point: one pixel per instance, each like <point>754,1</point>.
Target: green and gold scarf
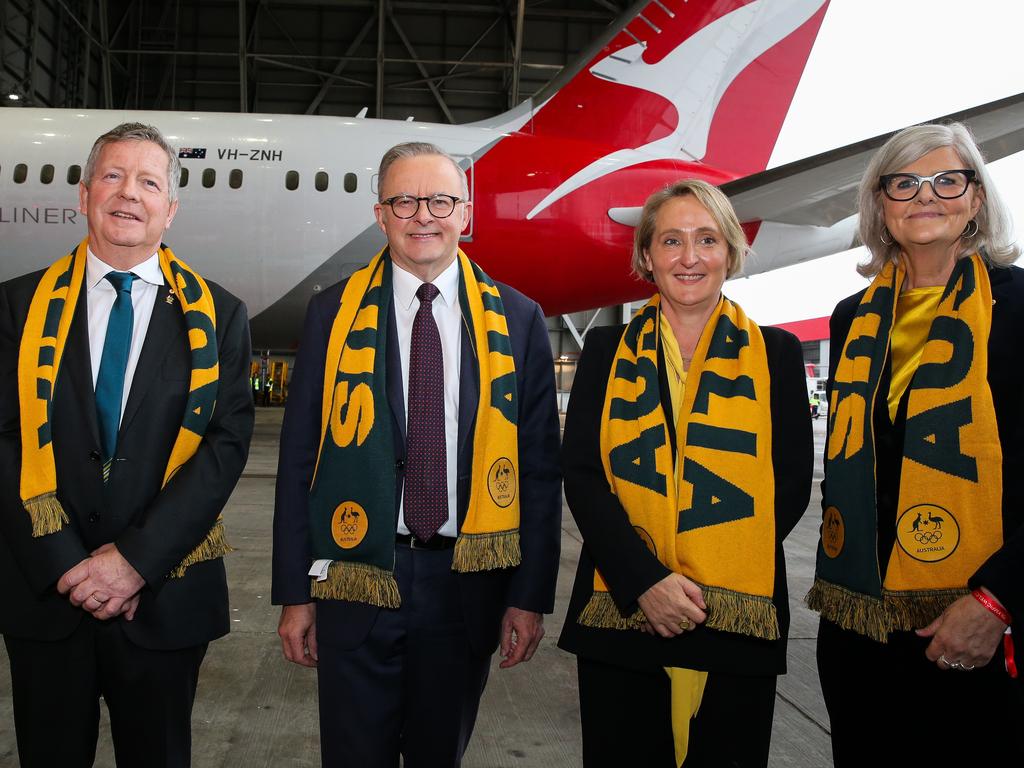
<point>716,523</point>
<point>352,503</point>
<point>949,514</point>
<point>39,356</point>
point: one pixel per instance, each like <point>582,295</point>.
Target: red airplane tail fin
<point>697,80</point>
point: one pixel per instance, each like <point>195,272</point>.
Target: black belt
<point>436,542</point>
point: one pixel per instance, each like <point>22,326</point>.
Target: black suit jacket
<point>485,594</point>
<point>153,528</point>
<point>1003,572</point>
<point>628,566</point>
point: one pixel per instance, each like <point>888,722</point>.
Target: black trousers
<point>56,689</point>
<point>889,705</point>
<point>626,716</point>
<point>413,686</point>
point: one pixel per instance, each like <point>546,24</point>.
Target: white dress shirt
<point>448,316</point>
<point>100,296</point>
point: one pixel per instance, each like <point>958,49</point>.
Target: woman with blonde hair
<point>687,460</point>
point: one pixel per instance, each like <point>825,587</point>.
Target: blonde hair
<point>993,236</point>
<point>713,200</point>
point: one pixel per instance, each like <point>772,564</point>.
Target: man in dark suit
<point>122,434</point>
<point>407,680</point>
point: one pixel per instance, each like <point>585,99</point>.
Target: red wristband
<point>1011,664</point>
<point>997,610</point>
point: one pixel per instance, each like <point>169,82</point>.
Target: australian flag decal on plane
<point>192,153</point>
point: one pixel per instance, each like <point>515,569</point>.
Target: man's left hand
<point>104,584</point>
<point>966,633</point>
<point>521,632</point>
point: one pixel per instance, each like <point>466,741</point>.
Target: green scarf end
<point>730,611</point>
<point>359,583</point>
<point>877,617</point>
<point>602,613</point>
<point>486,551</point>
<point>46,513</point>
<point>213,546</point>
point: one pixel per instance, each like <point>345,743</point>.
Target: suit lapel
<point>469,394</point>
<point>165,326</point>
<point>76,367</point>
<point>394,384</point>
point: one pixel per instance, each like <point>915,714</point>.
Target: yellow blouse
<point>915,309</point>
<point>676,375</point>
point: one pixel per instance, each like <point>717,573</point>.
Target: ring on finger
<point>685,624</point>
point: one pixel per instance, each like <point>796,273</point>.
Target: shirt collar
<point>405,284</point>
<point>96,269</point>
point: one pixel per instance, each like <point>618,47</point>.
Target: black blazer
<point>628,565</point>
<point>486,594</point>
<point>1003,572</point>
<point>154,529</point>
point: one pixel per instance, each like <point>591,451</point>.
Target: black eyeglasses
<point>948,185</point>
<point>406,206</point>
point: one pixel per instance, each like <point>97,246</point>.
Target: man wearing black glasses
<point>418,504</point>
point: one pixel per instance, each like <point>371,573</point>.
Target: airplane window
<point>20,173</point>
<point>320,181</point>
<point>291,180</point>
<point>183,179</point>
<point>350,182</point>
<point>46,174</point>
<point>74,174</point>
<point>235,178</point>
<point>209,177</point>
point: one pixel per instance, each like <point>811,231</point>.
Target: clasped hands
<point>672,606</point>
<point>104,584</point>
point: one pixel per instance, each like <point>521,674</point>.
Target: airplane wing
<point>822,190</point>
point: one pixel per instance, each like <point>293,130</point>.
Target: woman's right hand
<point>673,603</point>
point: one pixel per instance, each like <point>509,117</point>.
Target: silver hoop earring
<point>885,231</point>
<point>969,234</point>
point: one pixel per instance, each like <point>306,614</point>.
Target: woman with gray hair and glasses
<point>920,566</point>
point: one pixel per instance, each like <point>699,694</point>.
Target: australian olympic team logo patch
<point>349,525</point>
<point>833,532</point>
<point>501,482</point>
<point>928,533</point>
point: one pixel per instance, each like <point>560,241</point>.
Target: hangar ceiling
<point>453,61</point>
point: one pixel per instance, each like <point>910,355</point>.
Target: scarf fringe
<point>912,610</point>
<point>876,617</point>
<point>46,513</point>
<point>730,611</point>
<point>358,582</point>
<point>602,613</point>
<point>486,551</point>
<point>213,546</point>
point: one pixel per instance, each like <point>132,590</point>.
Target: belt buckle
<point>415,543</point>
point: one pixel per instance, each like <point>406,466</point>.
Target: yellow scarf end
<point>602,613</point>
<point>213,546</point>
<point>750,615</point>
<point>486,551</point>
<point>46,513</point>
<point>358,582</point>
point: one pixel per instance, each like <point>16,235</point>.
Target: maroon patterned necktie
<point>425,502</point>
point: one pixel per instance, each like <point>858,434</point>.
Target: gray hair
<point>716,203</point>
<point>136,132</point>
<point>417,149</point>
<point>993,237</point>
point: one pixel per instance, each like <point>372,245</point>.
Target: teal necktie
<point>110,381</point>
